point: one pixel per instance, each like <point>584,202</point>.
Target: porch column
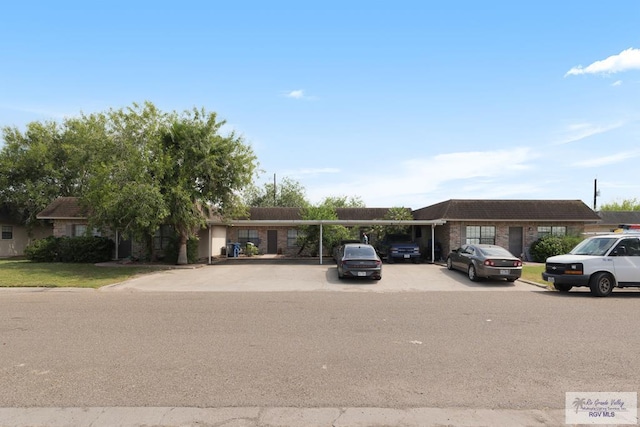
<point>209,244</point>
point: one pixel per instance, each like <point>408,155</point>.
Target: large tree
<point>331,234</point>
<point>43,162</point>
<point>203,170</point>
<point>133,169</point>
<point>287,193</point>
<point>124,191</point>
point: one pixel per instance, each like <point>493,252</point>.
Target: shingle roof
<point>617,218</point>
<point>63,208</point>
<point>293,214</point>
<point>508,210</point>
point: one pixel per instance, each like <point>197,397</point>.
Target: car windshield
<point>500,252</point>
<point>597,246</point>
<point>360,252</point>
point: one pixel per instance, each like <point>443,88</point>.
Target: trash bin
<point>233,250</point>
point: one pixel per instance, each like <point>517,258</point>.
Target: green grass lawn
<point>533,273</point>
<point>23,273</point>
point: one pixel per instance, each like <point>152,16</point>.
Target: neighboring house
<point>16,237</point>
<point>612,220</point>
<point>512,224</point>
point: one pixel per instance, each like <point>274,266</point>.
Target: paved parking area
<point>278,276</point>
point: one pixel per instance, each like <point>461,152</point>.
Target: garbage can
<point>234,250</point>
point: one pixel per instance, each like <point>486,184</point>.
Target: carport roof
<point>279,216</point>
<point>617,218</point>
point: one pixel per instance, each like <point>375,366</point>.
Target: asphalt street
<point>318,357</point>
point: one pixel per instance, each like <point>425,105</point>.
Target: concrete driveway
<point>258,275</point>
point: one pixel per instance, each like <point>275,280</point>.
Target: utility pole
<point>596,193</point>
<point>275,198</point>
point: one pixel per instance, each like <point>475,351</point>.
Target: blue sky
<point>404,103</point>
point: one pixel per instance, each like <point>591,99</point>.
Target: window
<point>7,232</point>
<point>485,234</point>
<point>162,237</point>
<point>551,230</point>
<point>79,230</point>
<point>292,237</point>
<point>245,236</point>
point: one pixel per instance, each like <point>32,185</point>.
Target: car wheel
<point>449,264</point>
<point>601,284</point>
<point>340,275</point>
<point>562,288</point>
<point>472,273</point>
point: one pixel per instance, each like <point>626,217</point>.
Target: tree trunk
<point>182,250</point>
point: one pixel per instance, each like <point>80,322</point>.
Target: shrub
<point>548,246</point>
<point>42,250</point>
<point>251,249</point>
<point>85,249</point>
<point>71,249</point>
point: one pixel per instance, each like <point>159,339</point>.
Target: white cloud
<point>310,171</point>
<point>617,83</point>
<point>418,180</point>
<point>296,94</point>
<point>626,60</point>
<point>608,160</point>
<point>579,131</point>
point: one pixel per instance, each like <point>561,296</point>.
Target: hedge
<point>71,249</point>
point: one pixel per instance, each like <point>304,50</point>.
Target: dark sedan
<point>358,260</point>
<point>485,261</point>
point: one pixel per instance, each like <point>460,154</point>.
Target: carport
<point>323,222</point>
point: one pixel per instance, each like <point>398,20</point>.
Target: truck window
<point>594,246</point>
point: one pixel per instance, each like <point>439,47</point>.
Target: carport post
<point>320,243</point>
<point>433,244</point>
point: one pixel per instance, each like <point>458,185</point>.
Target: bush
<point>42,250</point>
<point>548,246</point>
<point>71,249</point>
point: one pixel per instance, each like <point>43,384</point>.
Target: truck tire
<point>389,259</point>
<point>562,288</point>
<point>471,272</point>
<point>601,284</point>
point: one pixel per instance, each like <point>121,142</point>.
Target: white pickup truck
<point>601,262</point>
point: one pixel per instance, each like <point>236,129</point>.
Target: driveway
<point>296,275</point>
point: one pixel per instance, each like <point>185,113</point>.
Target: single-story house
<point>16,236</point>
<point>613,220</point>
<point>512,224</point>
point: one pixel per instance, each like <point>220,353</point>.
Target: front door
<point>515,241</point>
<point>124,248</point>
<point>272,241</point>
